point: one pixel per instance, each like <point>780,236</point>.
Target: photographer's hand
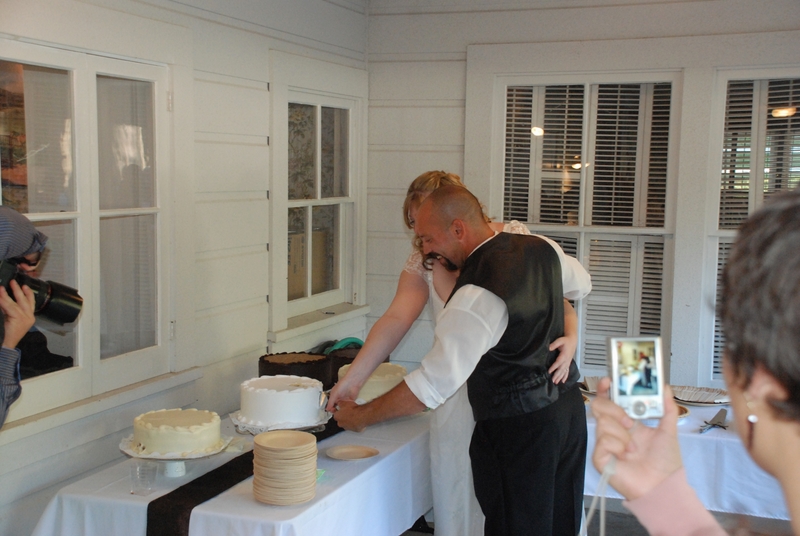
<point>18,314</point>
<point>645,456</point>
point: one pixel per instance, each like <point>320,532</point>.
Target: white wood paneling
<point>231,106</point>
<point>388,254</point>
<point>406,125</point>
<point>385,213</point>
<point>231,163</point>
<point>230,224</point>
<point>417,80</point>
<point>231,278</point>
<point>221,334</point>
<point>396,166</point>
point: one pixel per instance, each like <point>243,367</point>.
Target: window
<point>318,197</point>
<point>760,157</point>
<point>587,165</point>
<point>83,142</point>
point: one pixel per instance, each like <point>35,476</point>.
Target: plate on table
<point>589,384</point>
<point>351,452</point>
<point>700,396</point>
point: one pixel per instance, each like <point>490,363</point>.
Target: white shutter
<point>518,153</point>
<point>760,152</point>
<point>723,250</point>
<point>782,151</point>
<point>736,152</point>
<point>626,297</point>
<point>658,153</point>
<point>558,171</point>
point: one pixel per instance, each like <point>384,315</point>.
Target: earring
<point>752,419</point>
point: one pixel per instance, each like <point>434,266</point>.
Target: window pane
<point>36,138</point>
<point>736,149</point>
<point>58,348</point>
<point>298,272</point>
<point>128,290</point>
<point>782,152</point>
<point>125,143</point>
<point>516,192</point>
<point>334,152</point>
<point>302,151</point>
<point>325,249</point>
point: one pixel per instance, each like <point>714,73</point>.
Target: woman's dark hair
<point>760,304</point>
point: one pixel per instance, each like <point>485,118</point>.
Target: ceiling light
<point>783,112</point>
<point>537,131</point>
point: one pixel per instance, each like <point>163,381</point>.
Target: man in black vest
<point>528,449</point>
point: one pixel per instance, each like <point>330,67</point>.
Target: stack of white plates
<point>284,467</point>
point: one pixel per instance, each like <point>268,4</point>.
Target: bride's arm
<point>385,335</point>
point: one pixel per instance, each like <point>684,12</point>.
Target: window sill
<point>308,323</point>
<point>47,420</point>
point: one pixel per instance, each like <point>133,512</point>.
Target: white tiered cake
<point>280,402</point>
<point>176,431</point>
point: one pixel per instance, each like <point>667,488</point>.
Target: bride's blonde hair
<point>421,187</point>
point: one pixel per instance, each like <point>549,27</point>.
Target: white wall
<point>419,87</point>
<point>218,53</point>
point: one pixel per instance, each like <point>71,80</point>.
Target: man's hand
<point>645,456</point>
<point>19,316</point>
<point>348,416</point>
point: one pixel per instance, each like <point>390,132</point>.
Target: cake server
<point>718,421</point>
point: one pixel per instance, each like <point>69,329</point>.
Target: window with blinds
<point>608,145</point>
<point>761,145</point>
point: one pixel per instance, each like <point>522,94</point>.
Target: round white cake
<point>280,401</point>
<point>381,381</point>
<point>176,431</point>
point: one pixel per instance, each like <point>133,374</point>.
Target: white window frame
<point>719,239</point>
<point>91,376</point>
<point>297,79</point>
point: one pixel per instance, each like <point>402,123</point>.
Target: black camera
<point>54,301</point>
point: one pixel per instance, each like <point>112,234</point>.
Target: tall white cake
<point>280,401</point>
<point>176,431</point>
<point>381,381</point>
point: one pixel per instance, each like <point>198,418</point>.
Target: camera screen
<point>637,368</point>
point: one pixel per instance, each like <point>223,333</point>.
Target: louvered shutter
<point>723,250</point>
<point>626,297</point>
<point>516,193</point>
<point>760,152</point>
<point>736,151</point>
<point>782,152</point>
<point>558,172</point>
<point>658,154</point>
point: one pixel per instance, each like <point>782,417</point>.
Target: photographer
<point>20,241</point>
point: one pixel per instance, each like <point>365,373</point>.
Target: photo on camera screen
<point>636,366</point>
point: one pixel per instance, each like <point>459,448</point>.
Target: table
<point>717,465</point>
<point>377,496</point>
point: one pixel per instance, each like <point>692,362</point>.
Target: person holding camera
<point>21,244</point>
<point>760,312</point>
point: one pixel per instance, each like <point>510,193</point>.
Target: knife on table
<point>717,421</point>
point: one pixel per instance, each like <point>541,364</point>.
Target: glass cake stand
<point>174,461</point>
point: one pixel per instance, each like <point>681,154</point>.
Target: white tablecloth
<point>377,496</point>
<point>718,467</point>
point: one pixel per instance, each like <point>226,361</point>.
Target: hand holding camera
<point>18,310</point>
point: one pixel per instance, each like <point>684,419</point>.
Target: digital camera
<point>54,301</point>
<point>635,365</point>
